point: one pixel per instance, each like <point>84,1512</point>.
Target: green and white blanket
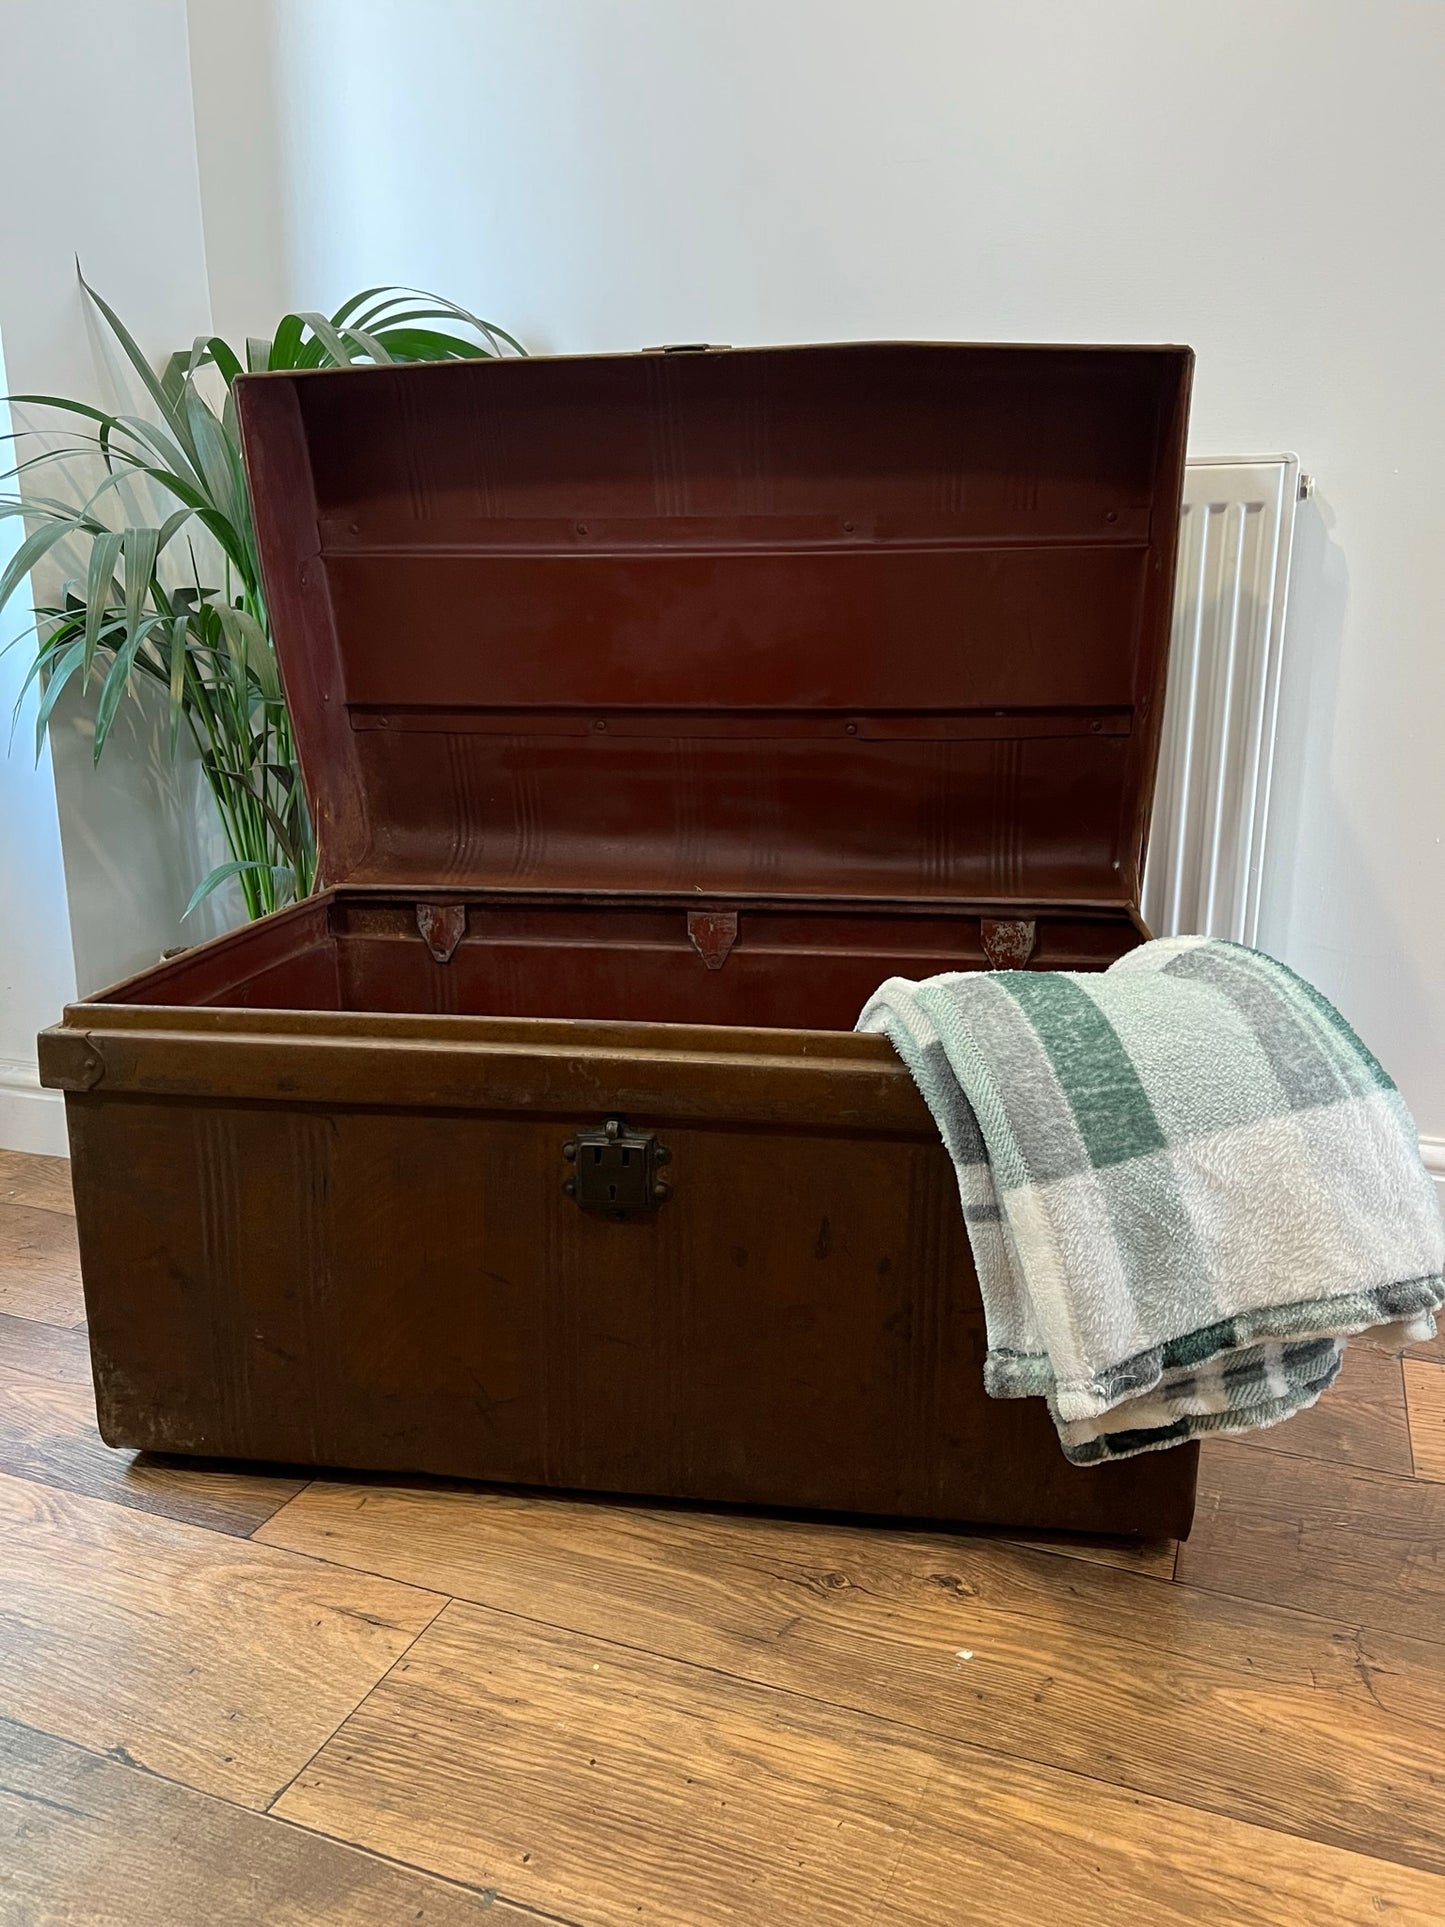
<point>1185,1181</point>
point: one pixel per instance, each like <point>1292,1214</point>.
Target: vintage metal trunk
<point>653,708</point>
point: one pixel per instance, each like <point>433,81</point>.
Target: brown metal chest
<point>653,708</point>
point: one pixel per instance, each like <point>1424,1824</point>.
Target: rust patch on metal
<point>713,934</point>
<point>442,925</point>
<point>1009,945</point>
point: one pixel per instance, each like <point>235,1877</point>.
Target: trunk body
<point>652,711</point>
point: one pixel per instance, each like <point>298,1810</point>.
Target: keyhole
<point>612,1194</point>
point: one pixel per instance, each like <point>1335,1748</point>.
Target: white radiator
<point>1211,810</point>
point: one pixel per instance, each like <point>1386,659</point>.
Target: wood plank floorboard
<point>47,1433</point>
<point>1425,1403</point>
<point>41,1182</point>
<point>1357,1546</point>
<point>1360,1421</point>
<point>206,1658</point>
<point>39,1265</point>
<point>1429,1348</point>
<point>231,1696</point>
<point>86,1842</point>
<point>1073,1666</point>
<point>1154,1556</point>
<point>509,1754</point>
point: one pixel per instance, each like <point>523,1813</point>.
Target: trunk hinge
<point>1009,945</point>
<point>713,934</point>
<point>442,925</point>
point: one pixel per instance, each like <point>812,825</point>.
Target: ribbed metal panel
<point>1211,811</point>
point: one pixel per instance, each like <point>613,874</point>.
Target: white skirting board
<point>31,1119</point>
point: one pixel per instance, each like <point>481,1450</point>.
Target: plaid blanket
<point>1185,1182</point>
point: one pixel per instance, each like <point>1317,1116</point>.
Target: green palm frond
<point>131,611</point>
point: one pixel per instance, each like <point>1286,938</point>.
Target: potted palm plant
<point>174,597</point>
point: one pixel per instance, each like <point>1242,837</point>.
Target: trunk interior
<point>789,966</point>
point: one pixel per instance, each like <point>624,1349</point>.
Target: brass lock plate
<point>616,1171</point>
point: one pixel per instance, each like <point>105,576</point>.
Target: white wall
<point>1259,178</point>
<point>95,108</point>
<point>36,973</point>
<point>239,153</point>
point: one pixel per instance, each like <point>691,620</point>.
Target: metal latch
<point>616,1170</point>
<point>688,348</point>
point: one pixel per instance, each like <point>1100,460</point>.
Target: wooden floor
<point>233,1700</point>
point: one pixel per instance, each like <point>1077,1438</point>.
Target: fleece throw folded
<point>1185,1181</point>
